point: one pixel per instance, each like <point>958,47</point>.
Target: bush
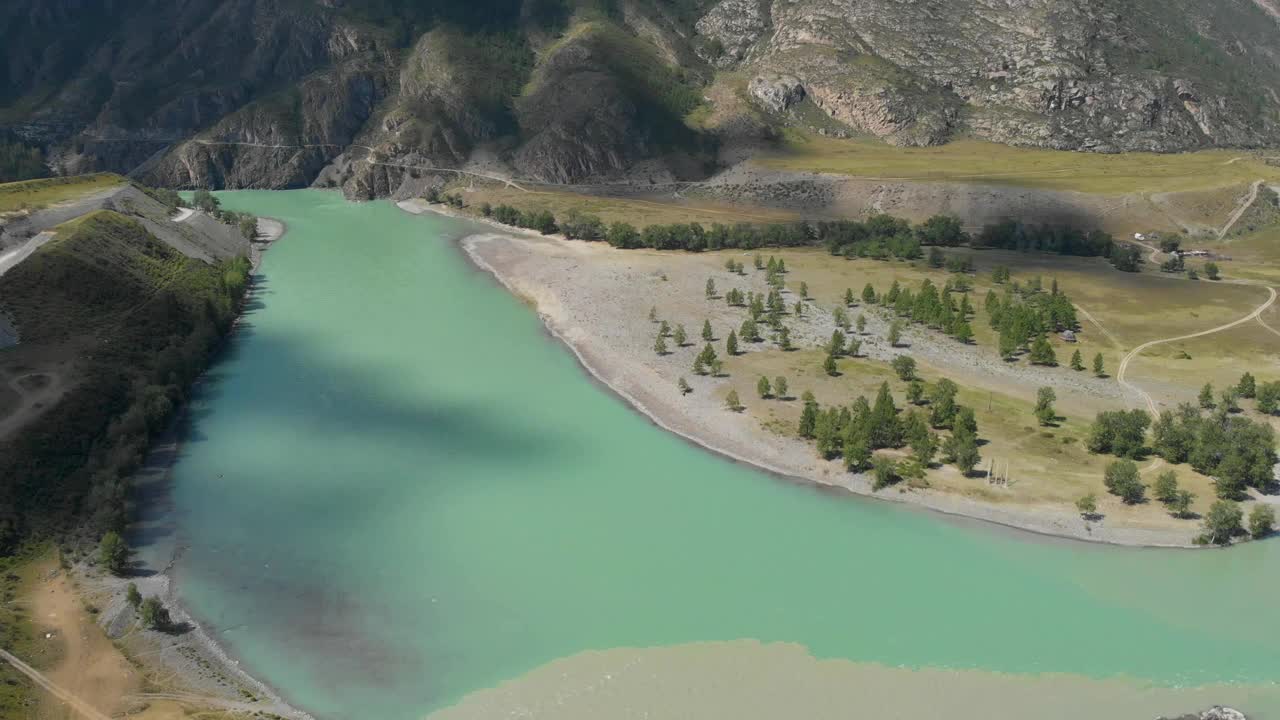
<point>1121,479</point>
<point>154,614</point>
<point>1262,521</point>
<point>113,554</point>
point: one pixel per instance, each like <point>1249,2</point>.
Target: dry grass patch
<point>36,194</point>
<point>638,211</point>
<point>982,161</point>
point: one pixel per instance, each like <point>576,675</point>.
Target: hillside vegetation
<point>128,322</point>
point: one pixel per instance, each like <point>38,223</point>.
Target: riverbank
<point>180,671</point>
<point>589,296</point>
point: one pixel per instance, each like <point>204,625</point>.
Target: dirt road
<point>1128,358</point>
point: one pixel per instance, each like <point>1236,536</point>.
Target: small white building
<point>1139,236</point>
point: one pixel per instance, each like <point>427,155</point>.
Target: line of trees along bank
<point>880,236</point>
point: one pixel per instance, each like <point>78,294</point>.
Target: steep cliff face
<point>373,97</point>
<point>1070,74</point>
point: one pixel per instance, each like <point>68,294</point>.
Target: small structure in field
<point>1068,335</point>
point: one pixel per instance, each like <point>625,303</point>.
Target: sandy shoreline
<point>515,259</point>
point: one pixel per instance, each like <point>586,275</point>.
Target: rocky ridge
<point>289,93</point>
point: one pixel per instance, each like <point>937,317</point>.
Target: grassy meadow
<point>35,194</point>
<point>635,210</point>
<point>970,160</point>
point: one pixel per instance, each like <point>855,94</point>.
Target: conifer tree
<point>731,343</point>
<point>964,449</point>
<point>829,365</point>
<point>1097,365</point>
<point>884,426</point>
<point>1077,362</point>
<point>808,417</point>
<point>1206,396</point>
<point>660,345</point>
<point>731,401</point>
<point>1042,352</point>
<point>664,330</point>
<point>784,337</point>
<point>836,345</point>
<point>716,367</point>
<point>708,354</point>
<point>868,294</point>
<point>861,324</point>
<point>855,346</point>
<point>680,336</point>
<point>825,434</point>
<point>915,392</point>
<point>706,331</point>
<point>711,289</point>
<point>653,314</point>
<point>1247,387</point>
<point>763,388</point>
<point>683,386</point>
<point>780,387</point>
<point>856,445</point>
<point>848,297</point>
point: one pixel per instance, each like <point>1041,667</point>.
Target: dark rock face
<point>1217,712</point>
<point>286,93</point>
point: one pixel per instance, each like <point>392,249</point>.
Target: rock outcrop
<point>776,92</point>
<point>1069,74</point>
<point>1217,712</point>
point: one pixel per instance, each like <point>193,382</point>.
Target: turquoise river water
<point>397,490</point>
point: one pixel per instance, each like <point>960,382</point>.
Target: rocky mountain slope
<point>375,95</point>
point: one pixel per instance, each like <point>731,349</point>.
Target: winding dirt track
<point>1124,364</point>
<point>39,678</point>
<point>1248,202</point>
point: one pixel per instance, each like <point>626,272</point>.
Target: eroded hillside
<point>378,97</point>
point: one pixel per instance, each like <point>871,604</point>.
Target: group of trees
<point>1025,314</point>
<point>540,220</point>
<point>1237,452</point>
<point>246,223</point>
<point>855,432</point>
<point>1225,521</point>
<point>928,306</point>
<point>879,236</point>
<point>1062,240</point>
<point>20,162</point>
